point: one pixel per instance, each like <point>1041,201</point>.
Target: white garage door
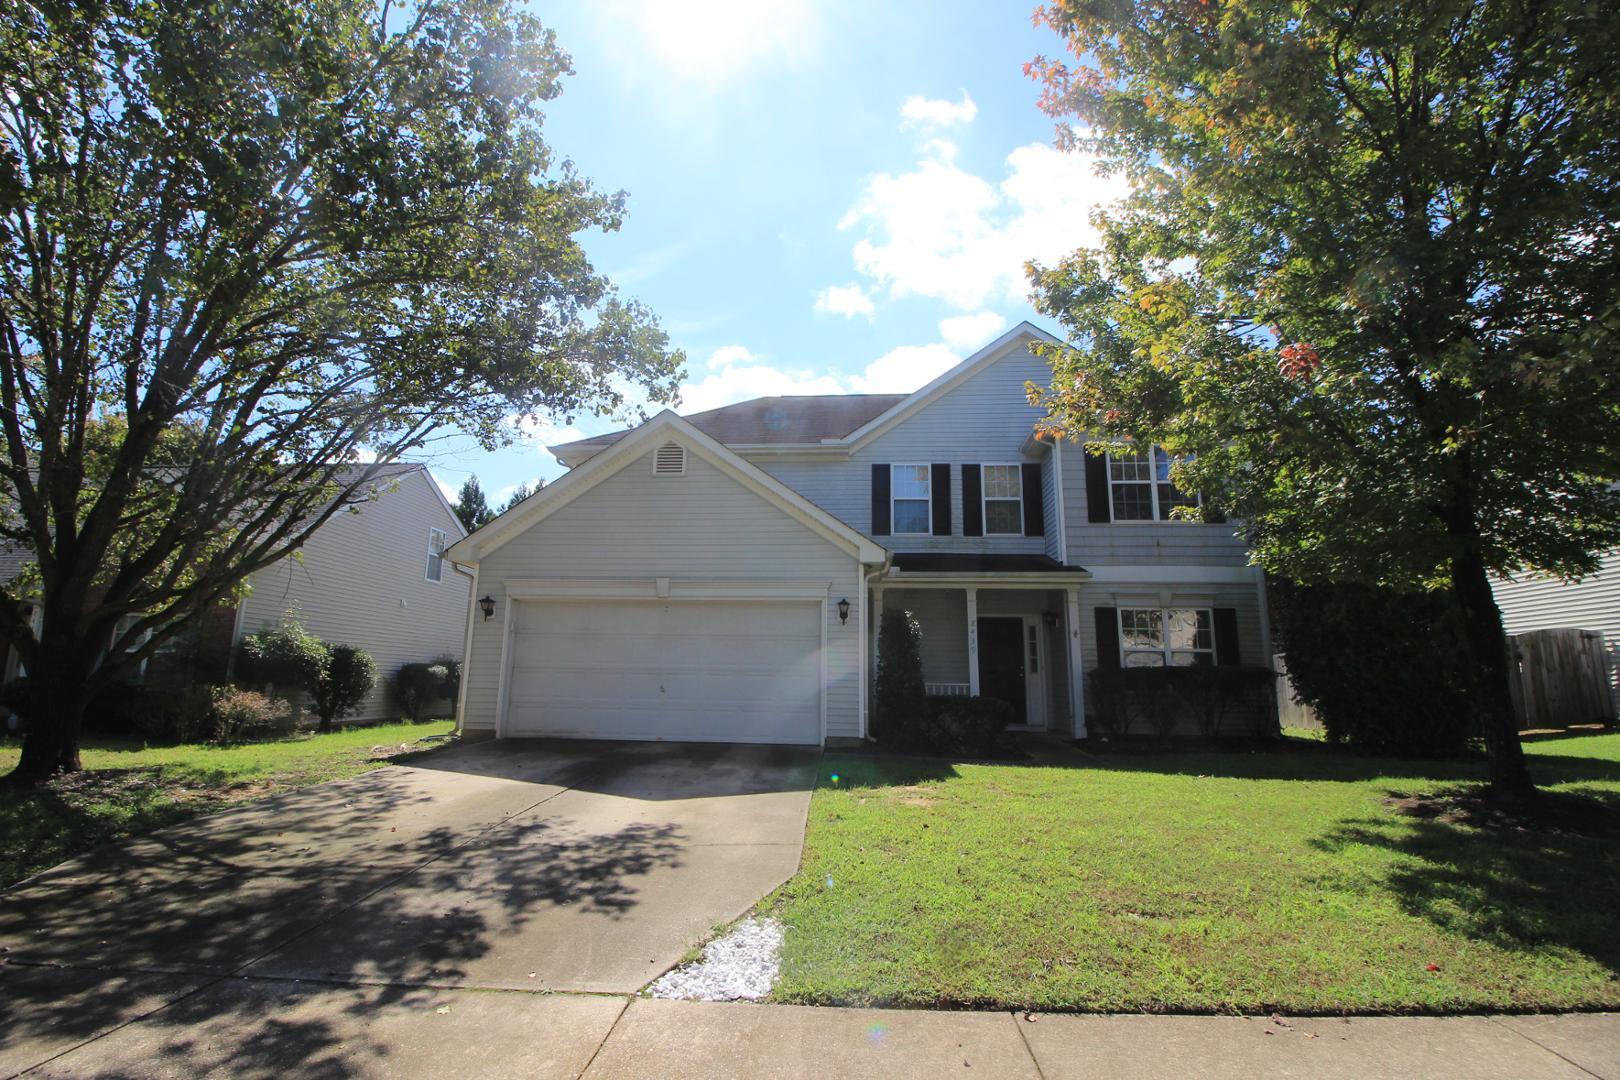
<point>695,670</point>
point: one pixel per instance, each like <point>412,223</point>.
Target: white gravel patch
<point>741,966</point>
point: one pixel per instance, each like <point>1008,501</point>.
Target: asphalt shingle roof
<point>774,420</point>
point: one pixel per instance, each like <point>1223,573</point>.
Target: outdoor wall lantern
<point>843,610</point>
<point>487,606</point>
<point>1050,618</point>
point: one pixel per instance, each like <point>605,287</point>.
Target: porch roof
<point>971,563</point>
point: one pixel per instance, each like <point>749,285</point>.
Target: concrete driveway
<point>565,866</point>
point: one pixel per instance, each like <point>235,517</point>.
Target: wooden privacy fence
<point>1559,678</point>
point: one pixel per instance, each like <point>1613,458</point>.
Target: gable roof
<point>826,421</point>
<point>628,449</point>
<point>783,420</point>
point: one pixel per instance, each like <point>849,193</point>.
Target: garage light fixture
<point>843,610</point>
<point>487,606</point>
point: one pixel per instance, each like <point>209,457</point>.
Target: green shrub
<point>964,725</point>
<point>901,700</point>
<point>1160,700</point>
<point>419,685</point>
<point>1385,671</point>
<point>220,714</point>
<point>346,678</point>
<point>288,658</point>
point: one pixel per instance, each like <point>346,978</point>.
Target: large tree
<point>1367,280</point>
<point>244,245</point>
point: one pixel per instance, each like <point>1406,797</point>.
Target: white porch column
<point>1077,674</point>
<point>973,640</point>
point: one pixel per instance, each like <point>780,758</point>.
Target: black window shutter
<point>940,482</point>
<point>880,500</point>
<point>1107,637</point>
<point>1227,652</point>
<point>1098,507</point>
<point>972,502</point>
<point>1034,501</point>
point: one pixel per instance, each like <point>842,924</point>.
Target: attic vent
<point>670,460</point>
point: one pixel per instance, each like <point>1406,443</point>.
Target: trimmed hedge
<point>901,700</point>
<point>418,685</point>
<point>1385,671</point>
<point>1159,700</point>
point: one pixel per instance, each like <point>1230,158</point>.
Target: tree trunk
<point>1488,654</point>
<point>57,700</point>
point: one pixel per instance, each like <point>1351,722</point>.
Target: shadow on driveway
<point>528,866</point>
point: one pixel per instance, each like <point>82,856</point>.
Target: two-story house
<point>719,576</point>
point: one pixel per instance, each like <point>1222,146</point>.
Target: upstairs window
<point>1140,488</point>
<point>911,499</point>
<point>1003,499</point>
<point>1166,637</point>
<point>438,540</point>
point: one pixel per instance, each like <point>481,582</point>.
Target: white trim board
<point>666,589</point>
<point>1175,575</point>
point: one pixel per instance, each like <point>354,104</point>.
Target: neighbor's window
<point>1140,487</point>
<point>1003,498</point>
<point>911,496</point>
<point>1160,637</point>
<point>437,541</point>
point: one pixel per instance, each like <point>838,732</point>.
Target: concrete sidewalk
<point>256,1027</point>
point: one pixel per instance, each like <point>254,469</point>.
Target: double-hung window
<point>437,541</point>
<point>1003,499</point>
<point>1166,637</point>
<point>911,499</point>
<point>1140,488</point>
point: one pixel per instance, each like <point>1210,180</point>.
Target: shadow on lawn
<point>1520,891</point>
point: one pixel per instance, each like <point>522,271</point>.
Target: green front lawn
<point>1197,882</point>
<point>128,788</point>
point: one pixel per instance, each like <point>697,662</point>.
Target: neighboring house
<point>719,577</point>
<point>1538,602</point>
<point>374,576</point>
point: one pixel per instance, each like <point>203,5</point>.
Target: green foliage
<point>248,245</point>
<point>288,658</point>
<point>963,726</point>
<point>1367,275</point>
<point>900,698</point>
<point>346,678</point>
<point>1205,701</point>
<point>471,506</point>
<point>225,714</point>
<point>1366,283</point>
<point>521,492</point>
<point>417,686</point>
<point>1384,670</point>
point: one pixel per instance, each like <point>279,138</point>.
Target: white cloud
<point>711,41</point>
<point>902,370</point>
<point>898,371</point>
<point>845,300</point>
<point>731,355</point>
<point>940,231</point>
<point>919,110</point>
<point>968,332</point>
<point>543,431</point>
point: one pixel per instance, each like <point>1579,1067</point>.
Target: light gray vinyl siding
<point>362,580</point>
<point>1540,603</point>
<point>1182,543</point>
<point>985,420</point>
<point>700,526</point>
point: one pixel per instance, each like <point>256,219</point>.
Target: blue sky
<point>824,197</point>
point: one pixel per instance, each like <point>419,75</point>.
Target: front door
<point>1001,662</point>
